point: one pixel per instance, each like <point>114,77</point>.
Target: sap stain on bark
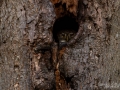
<point>62,7</point>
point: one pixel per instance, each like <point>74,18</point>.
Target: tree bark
<point>31,59</point>
<point>24,24</point>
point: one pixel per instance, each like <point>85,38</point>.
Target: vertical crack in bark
<point>59,79</point>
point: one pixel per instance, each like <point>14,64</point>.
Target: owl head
<point>65,36</point>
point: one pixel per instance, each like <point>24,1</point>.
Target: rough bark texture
<point>25,24</point>
<point>30,59</point>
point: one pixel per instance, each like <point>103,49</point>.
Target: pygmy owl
<point>65,36</point>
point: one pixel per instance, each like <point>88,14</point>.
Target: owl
<point>65,36</point>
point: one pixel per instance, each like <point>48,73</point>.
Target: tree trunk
<point>33,56</point>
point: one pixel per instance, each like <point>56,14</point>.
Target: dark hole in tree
<point>64,24</point>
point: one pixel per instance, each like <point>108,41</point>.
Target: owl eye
<point>62,35</point>
<point>71,35</point>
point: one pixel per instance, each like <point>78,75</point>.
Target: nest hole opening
<point>64,23</point>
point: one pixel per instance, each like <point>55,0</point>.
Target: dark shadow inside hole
<point>64,23</point>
